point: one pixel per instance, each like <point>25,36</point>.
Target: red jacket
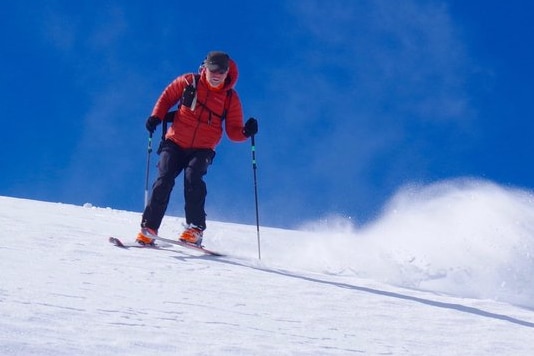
<point>202,127</point>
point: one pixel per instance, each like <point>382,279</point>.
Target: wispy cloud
<point>107,158</point>
<point>363,97</point>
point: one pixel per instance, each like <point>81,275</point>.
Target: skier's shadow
<point>452,306</point>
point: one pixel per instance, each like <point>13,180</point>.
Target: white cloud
<point>362,97</point>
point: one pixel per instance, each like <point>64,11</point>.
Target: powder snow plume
<point>463,237</point>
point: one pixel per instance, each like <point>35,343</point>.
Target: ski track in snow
<point>65,290</point>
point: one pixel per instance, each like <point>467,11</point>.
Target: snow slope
<point>446,270</point>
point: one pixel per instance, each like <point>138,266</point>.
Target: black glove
<point>151,123</point>
<point>251,127</point>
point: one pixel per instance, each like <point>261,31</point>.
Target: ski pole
<point>254,168</point>
<point>149,150</point>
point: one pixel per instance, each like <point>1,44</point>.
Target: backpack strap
<point>196,79</point>
<point>227,101</point>
<point>229,93</point>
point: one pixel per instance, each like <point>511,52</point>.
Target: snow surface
<point>446,270</point>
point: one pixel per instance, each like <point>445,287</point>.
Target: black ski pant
<point>172,161</point>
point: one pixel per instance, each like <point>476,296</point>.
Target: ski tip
<point>116,241</point>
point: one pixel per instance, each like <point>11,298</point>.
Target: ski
<point>183,244</point>
<point>117,242</point>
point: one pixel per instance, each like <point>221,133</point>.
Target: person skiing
<point>208,102</point>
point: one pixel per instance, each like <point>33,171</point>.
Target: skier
<point>208,102</point>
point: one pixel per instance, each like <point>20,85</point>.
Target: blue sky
<point>355,99</point>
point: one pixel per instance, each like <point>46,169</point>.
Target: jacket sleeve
<point>234,120</point>
<point>170,97</point>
